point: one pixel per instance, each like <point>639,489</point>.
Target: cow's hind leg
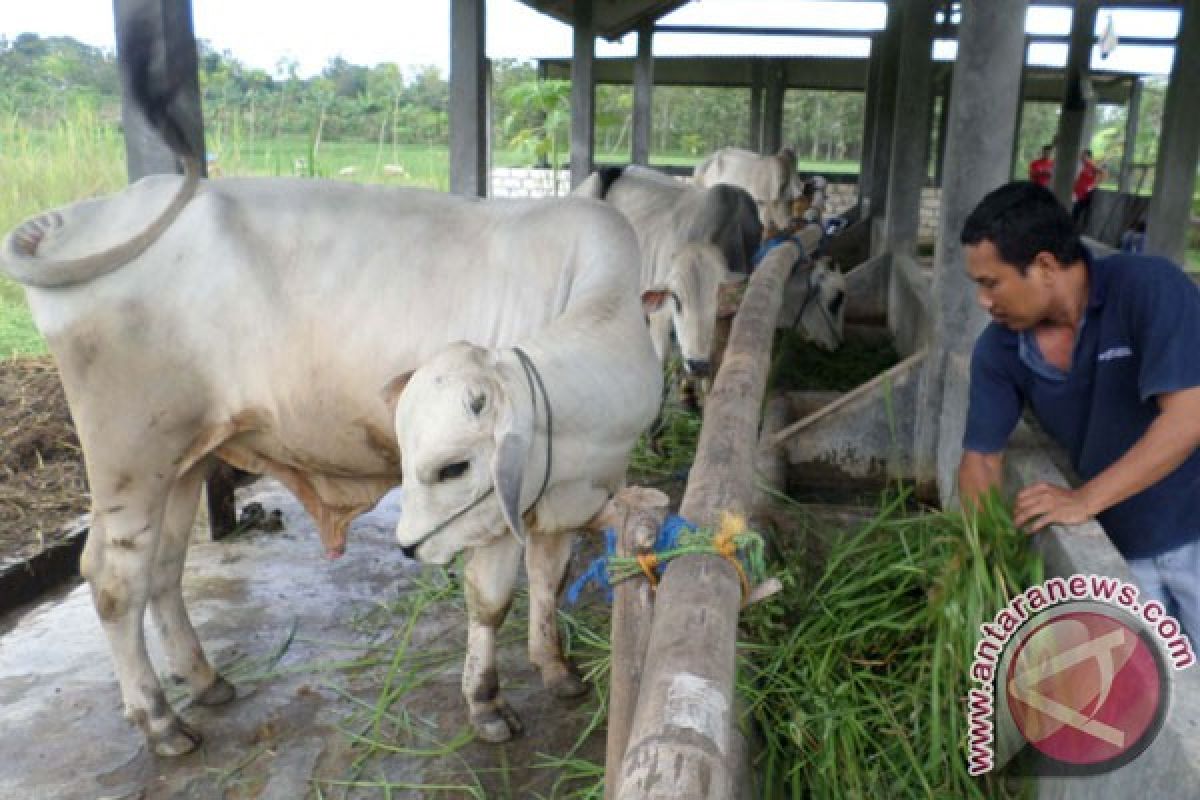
<point>184,652</point>
<point>546,563</point>
<point>121,549</point>
<point>490,575</point>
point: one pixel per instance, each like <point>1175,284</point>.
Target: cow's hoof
<point>567,685</point>
<point>178,740</point>
<point>497,724</point>
<point>218,694</point>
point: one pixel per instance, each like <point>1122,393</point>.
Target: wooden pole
<point>637,514</point>
<point>681,742</point>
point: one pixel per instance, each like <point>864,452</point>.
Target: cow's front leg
<point>491,575</point>
<point>546,563</point>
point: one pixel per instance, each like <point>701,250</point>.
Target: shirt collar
<point>1097,280</point>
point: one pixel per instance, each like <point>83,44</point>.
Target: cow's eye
<point>452,471</point>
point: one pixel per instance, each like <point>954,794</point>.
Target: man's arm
<point>1171,438</point>
<point>977,474</point>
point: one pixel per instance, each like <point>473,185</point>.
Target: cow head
<point>775,188</point>
<point>822,319</point>
<point>690,294</point>
<point>464,444</point>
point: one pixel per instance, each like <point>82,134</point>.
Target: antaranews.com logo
<point>1069,678</point>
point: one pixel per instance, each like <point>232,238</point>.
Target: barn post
<point>1133,108</point>
<point>756,106</point>
<point>981,127</point>
<point>468,98</point>
<point>1073,117</point>
<point>910,145</point>
<point>643,93</point>
<point>866,159</point>
<point>773,112</point>
<point>583,93</point>
<point>147,154</point>
<point>885,111</point>
<point>1168,219</point>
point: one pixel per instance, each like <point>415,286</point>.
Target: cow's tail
<point>19,253</point>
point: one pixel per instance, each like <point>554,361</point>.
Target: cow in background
<point>769,180</point>
<point>692,241</point>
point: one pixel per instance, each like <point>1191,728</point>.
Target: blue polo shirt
<point>1140,337</point>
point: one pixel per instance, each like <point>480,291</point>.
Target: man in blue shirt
<point>1106,352</point>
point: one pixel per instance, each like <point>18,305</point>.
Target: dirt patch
<point>43,487</point>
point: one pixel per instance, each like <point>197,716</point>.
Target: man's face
<point>1016,301</point>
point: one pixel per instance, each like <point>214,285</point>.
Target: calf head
<point>691,290</point>
<point>464,444</point>
<point>823,317</point>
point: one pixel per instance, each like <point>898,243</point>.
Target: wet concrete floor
<point>312,646</point>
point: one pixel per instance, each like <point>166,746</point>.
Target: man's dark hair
<point>1047,149</point>
<point>1022,219</point>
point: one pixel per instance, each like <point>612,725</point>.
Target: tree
<point>546,136</point>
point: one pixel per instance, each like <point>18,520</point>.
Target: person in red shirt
<point>1086,179</point>
<point>1041,170</point>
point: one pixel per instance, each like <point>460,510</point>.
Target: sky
<point>416,32</point>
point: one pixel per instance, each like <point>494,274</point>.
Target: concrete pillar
<point>866,161</point>
<point>643,94</point>
<point>983,106</point>
<point>1168,218</point>
<point>1020,171</point>
<point>583,93</point>
<point>468,99</point>
<point>939,169</point>
<point>885,112</point>
<point>773,113</point>
<point>1133,109</point>
<point>174,63</point>
<point>910,144</point>
<point>756,106</point>
<point>1072,120</point>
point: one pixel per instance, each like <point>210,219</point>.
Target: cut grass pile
<point>799,365</point>
<point>856,682</point>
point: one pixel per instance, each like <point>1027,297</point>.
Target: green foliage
<point>538,120</point>
<point>854,678</point>
<point>801,365</point>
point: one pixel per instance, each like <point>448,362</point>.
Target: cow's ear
<point>513,438</point>
<point>653,299</point>
<point>392,390</point>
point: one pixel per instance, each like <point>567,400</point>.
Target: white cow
<point>257,320</point>
<point>770,180</point>
<point>692,240</point>
<point>532,438</point>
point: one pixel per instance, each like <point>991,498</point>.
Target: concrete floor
<point>60,712</point>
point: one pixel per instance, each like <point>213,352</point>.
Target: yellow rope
<point>649,562</point>
<point>732,525</point>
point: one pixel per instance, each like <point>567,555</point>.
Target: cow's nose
<point>697,366</point>
<point>410,551</point>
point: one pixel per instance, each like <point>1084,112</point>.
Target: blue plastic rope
<point>597,572</point>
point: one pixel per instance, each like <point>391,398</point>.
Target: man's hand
<point>1041,504</point>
